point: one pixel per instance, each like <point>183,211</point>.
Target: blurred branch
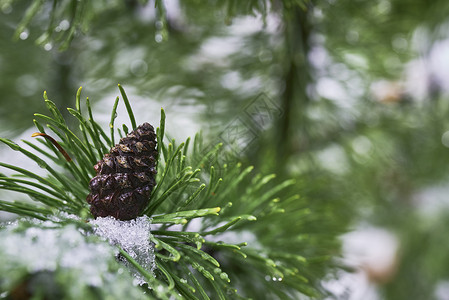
<point>294,99</point>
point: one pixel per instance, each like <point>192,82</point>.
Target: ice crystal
<point>133,236</point>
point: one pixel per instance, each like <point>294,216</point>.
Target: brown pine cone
<point>125,176</point>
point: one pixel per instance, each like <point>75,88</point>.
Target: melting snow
<point>67,253</point>
<point>132,236</point>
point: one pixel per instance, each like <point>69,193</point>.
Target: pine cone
<point>125,176</point>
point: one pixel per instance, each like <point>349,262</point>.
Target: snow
<point>133,237</point>
<point>63,248</point>
<point>46,249</point>
<point>35,248</point>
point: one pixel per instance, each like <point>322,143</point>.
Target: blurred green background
<point>348,96</point>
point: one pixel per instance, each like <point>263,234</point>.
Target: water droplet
<point>399,43</point>
<point>362,145</point>
<point>139,67</point>
<point>27,85</point>
<point>6,8</point>
<point>267,277</point>
<point>159,24</point>
<point>384,7</point>
<point>352,37</point>
<point>183,280</point>
<point>158,38</point>
<point>24,34</point>
<point>64,25</point>
<point>48,46</point>
<point>224,276</point>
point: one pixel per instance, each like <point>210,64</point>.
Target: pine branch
<point>69,18</point>
<point>200,209</point>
